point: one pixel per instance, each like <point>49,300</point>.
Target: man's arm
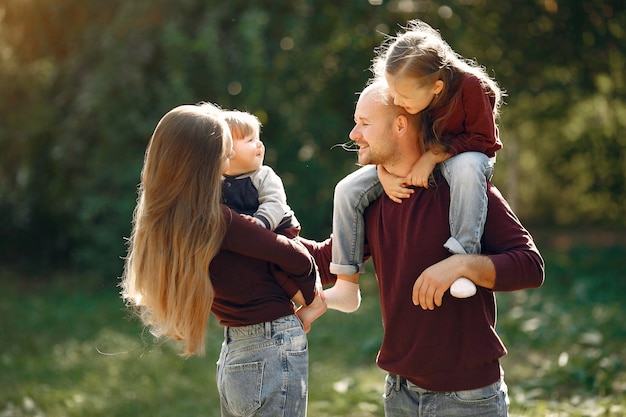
<point>511,260</point>
<point>430,286</point>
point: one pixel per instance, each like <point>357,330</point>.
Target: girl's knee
<point>468,167</point>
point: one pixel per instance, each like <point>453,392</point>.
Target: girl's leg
<point>467,174</point>
<point>352,196</point>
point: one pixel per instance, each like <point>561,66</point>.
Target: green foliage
<point>90,79</point>
<point>69,348</point>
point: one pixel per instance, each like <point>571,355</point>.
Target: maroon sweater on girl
<point>455,346</point>
<point>242,273</point>
<point>471,125</point>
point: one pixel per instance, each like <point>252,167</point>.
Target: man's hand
<point>430,286</point>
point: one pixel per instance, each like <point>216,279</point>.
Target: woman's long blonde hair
<point>178,225</point>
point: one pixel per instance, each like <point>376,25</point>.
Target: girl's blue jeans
<point>402,398</point>
<point>467,174</point>
<point>263,370</point>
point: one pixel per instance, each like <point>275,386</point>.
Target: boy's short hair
<point>242,124</point>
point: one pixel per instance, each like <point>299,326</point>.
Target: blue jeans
<point>353,194</point>
<point>402,398</point>
<point>263,370</point>
<point>467,173</point>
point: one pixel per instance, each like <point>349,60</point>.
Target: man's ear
<point>401,125</point>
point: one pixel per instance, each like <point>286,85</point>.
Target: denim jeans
<point>466,173</point>
<point>352,196</point>
<point>263,370</point>
<point>402,398</point>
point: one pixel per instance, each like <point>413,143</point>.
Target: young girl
<point>457,104</point>
<point>189,254</point>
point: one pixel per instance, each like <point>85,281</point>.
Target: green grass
<point>69,349</point>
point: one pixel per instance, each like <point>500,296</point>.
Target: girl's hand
<point>423,168</point>
<point>420,173</point>
<point>395,187</point>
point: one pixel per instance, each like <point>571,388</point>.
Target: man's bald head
<point>379,91</point>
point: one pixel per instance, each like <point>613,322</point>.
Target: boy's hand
<point>254,220</point>
<point>395,187</point>
<point>308,314</point>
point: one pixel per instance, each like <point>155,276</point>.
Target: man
<point>441,353</point>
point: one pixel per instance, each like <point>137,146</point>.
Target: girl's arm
<point>471,125</point>
<point>395,187</point>
<point>423,168</point>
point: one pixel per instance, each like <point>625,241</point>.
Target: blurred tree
<point>84,83</point>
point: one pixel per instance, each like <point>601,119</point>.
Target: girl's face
<point>411,94</point>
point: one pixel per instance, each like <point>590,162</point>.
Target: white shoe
<point>462,288</point>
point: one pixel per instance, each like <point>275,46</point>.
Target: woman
<point>189,255</point>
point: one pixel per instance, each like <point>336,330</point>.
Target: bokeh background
<point>83,84</point>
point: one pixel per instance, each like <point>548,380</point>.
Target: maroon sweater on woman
<point>455,346</point>
<point>242,273</point>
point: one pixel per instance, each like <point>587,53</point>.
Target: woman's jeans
<point>263,370</point>
<point>466,173</point>
<point>402,398</point>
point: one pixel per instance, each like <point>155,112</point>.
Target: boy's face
<point>249,154</point>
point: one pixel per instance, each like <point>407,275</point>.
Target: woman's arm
<point>291,256</point>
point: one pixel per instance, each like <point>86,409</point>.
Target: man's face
<point>249,154</point>
<point>372,131</point>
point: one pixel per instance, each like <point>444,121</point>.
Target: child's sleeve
<point>473,125</point>
<point>272,197</point>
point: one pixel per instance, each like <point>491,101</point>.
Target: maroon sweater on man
<point>242,273</point>
<point>455,346</point>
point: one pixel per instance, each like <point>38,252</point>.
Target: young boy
<point>253,189</point>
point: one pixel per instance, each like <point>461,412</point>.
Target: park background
<point>83,84</point>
